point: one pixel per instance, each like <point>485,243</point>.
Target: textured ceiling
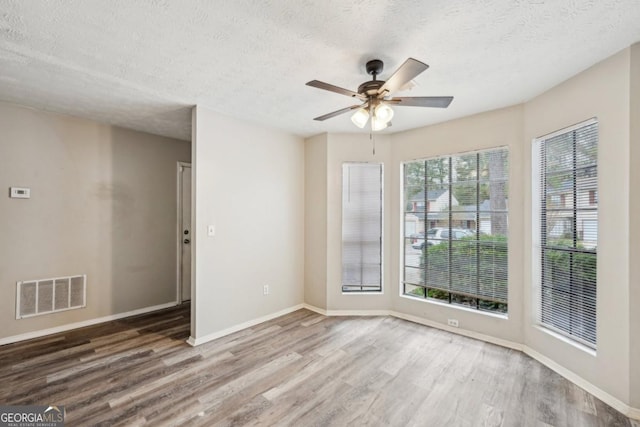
<point>143,64</point>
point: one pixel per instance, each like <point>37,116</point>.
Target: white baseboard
<point>346,312</point>
<point>464,332</point>
<point>210,337</point>
<point>564,372</point>
<point>315,309</point>
<point>610,400</point>
<point>358,313</point>
<point>82,324</point>
<point>416,319</point>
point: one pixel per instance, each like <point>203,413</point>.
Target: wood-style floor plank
<point>302,369</point>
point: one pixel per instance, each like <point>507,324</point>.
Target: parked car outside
<point>437,235</point>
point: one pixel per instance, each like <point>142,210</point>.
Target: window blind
<point>569,231</point>
<point>362,204</point>
<point>455,228</point>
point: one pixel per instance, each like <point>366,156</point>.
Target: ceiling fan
<point>375,95</point>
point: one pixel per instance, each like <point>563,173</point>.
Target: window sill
<point>566,340</point>
<point>458,307</point>
<point>362,293</point>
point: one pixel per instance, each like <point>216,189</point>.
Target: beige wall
<point>103,203</point>
<point>500,128</point>
<point>609,91</point>
<point>325,155</point>
<point>249,184</point>
<point>354,148</point>
<point>488,130</point>
<point>315,224</point>
<point>634,228</point>
<point>603,92</point>
<point>493,129</point>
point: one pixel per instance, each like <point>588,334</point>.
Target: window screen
<point>568,231</point>
<point>455,229</point>
<point>362,227</point>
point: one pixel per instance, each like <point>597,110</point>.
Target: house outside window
<point>455,251</point>
<point>566,235</point>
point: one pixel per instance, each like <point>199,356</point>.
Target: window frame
<point>539,224</point>
<point>368,290</point>
<point>403,234</point>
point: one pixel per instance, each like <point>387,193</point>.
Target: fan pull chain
<point>373,142</point>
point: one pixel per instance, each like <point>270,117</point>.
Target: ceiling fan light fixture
<point>375,96</point>
<point>377,124</point>
<point>384,112</point>
<point>360,117</point>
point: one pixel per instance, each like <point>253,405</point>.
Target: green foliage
<point>479,266</point>
<point>489,170</point>
<point>438,294</point>
<point>466,170</point>
<point>437,173</point>
<point>432,293</point>
<point>570,273</point>
<point>417,292</point>
<point>557,263</point>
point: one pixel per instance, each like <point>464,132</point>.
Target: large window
<point>455,229</point>
<point>362,204</point>
<point>566,232</point>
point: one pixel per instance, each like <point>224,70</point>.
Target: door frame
<point>180,168</point>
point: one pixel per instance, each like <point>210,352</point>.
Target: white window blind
<point>362,202</point>
<point>455,229</point>
<point>568,231</point>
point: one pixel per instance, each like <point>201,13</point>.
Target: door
<point>184,227</point>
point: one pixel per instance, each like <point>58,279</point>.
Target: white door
<point>184,176</point>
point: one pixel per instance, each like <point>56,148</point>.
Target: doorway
<point>185,239</point>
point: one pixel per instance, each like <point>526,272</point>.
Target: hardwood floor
<point>302,369</point>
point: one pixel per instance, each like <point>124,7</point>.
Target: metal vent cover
<point>43,296</point>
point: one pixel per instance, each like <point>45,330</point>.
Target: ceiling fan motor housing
<point>374,67</point>
<point>371,87</point>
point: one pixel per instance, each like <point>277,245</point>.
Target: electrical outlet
<point>452,322</point>
<point>265,289</point>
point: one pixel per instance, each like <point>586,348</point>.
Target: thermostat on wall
<point>20,193</point>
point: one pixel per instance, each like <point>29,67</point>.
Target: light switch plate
<point>211,231</point>
<point>20,193</point>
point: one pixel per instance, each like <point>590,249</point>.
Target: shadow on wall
<point>103,203</point>
<point>139,201</point>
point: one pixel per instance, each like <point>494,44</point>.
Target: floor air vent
<point>36,297</point>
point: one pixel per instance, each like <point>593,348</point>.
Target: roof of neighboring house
<point>585,180</point>
<point>484,206</point>
<point>460,212</point>
<point>431,195</point>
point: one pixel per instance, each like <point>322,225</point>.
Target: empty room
<point>380,213</point>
